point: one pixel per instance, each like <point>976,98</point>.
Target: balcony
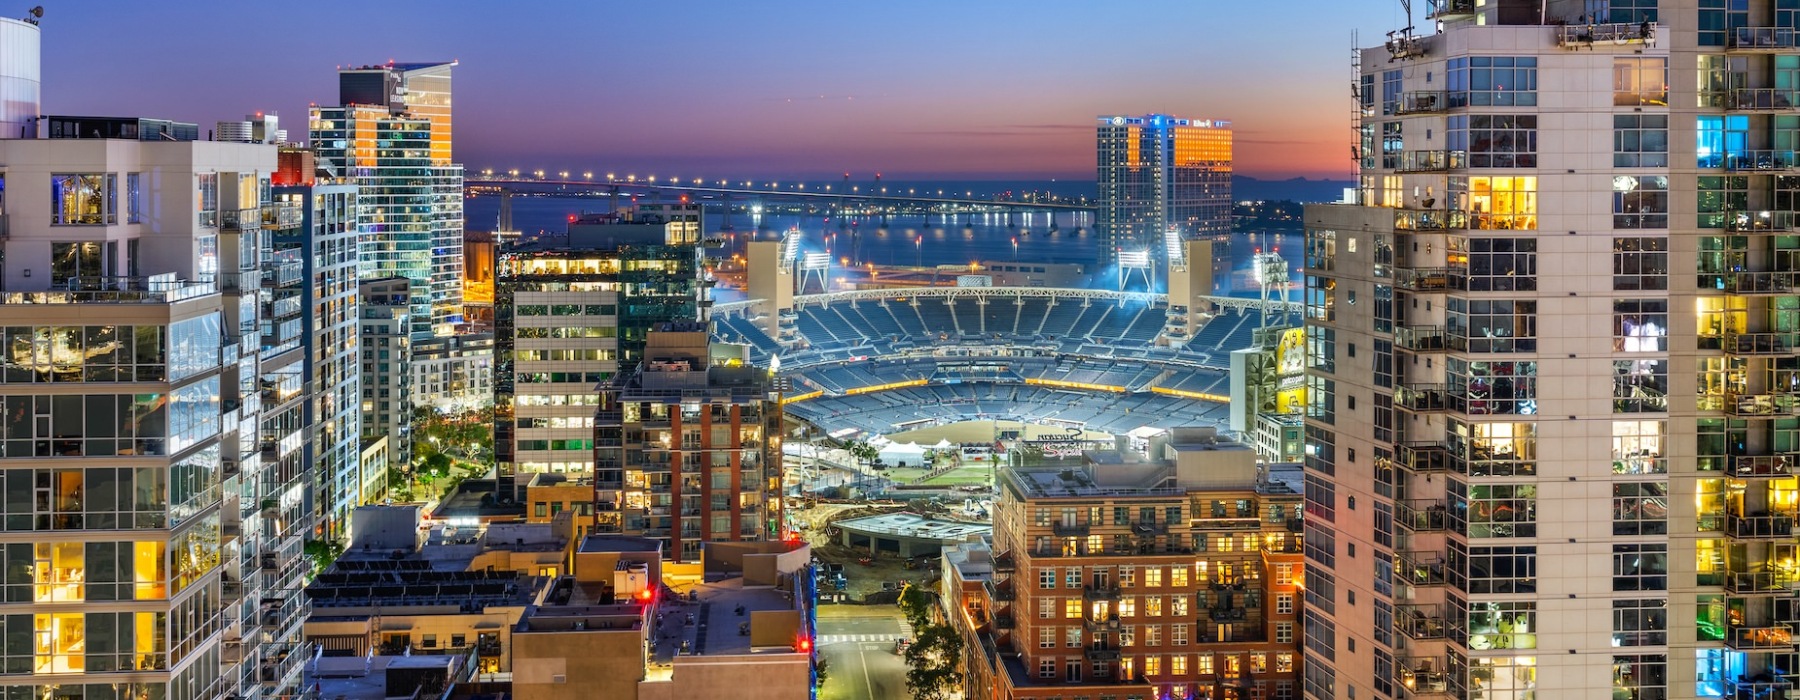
<point>240,220</point>
<point>1760,638</point>
<point>1421,621</point>
<point>1100,593</point>
<point>1424,516</point>
<point>1761,583</point>
<point>1423,398</point>
<point>1228,614</point>
<point>1101,653</point>
<point>1759,526</point>
<point>285,273</point>
<point>1424,279</point>
<point>281,215</point>
<point>1109,624</point>
<point>1588,36</point>
<point>1449,9</point>
<point>1423,457</point>
<point>1760,221</point>
<point>1770,689</point>
<point>1754,405</point>
<point>1431,161</point>
<point>1763,161</point>
<point>1423,675</point>
<point>1005,563</point>
<point>1753,283</point>
<point>1003,621</point>
<point>1759,344</point>
<point>1002,591</point>
<point>1420,568</point>
<point>1070,529</point>
<point>1427,219</point>
<point>1422,102</point>
<point>1757,39</point>
<point>1421,338</point>
<point>1760,466</point>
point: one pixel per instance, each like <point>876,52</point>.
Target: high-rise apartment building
<point>150,449</point>
<point>1162,179</point>
<point>687,447</point>
<point>1174,574</point>
<point>573,312</point>
<point>386,343</point>
<point>1550,426</point>
<point>317,223</point>
<point>391,136</point>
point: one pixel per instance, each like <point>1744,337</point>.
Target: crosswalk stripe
<point>849,638</point>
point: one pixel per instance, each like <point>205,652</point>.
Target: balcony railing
<point>1757,99</point>
<point>1754,638</point>
<point>1763,39</point>
<point>241,219</point>
<point>1101,653</point>
<point>1759,221</point>
<point>1448,9</point>
<point>1069,529</point>
<point>1761,583</point>
<point>1759,526</point>
<point>1431,161</point>
<point>1423,457</point>
<point>1761,160</point>
<point>1108,624</point>
<point>1421,621</point>
<point>1423,674</point>
<point>1771,689</point>
<point>1423,398</point>
<point>1420,338</point>
<point>1100,593</point>
<point>1756,282</point>
<point>1750,405</point>
<point>1589,35</point>
<point>1420,568</point>
<point>1422,102</point>
<point>1425,516</point>
<point>1761,466</point>
<point>1424,279</point>
<point>1759,343</point>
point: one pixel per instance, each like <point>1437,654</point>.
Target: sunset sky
<point>920,89</point>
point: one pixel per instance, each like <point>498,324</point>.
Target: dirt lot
<point>863,579</point>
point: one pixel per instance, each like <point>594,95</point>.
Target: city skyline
<point>995,91</point>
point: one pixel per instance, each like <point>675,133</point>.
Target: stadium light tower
<point>1136,263</point>
<point>815,266</point>
<point>1272,277</point>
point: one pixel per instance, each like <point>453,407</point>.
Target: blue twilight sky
<point>916,89</point>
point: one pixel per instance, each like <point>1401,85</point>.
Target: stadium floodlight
<point>790,248</point>
<point>1134,259</point>
<point>815,261</point>
<point>1172,243</point>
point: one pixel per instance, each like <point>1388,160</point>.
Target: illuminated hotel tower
<point>392,136</point>
<point>1553,373</point>
<point>1159,173</point>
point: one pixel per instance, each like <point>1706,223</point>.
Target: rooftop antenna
<point>36,14</point>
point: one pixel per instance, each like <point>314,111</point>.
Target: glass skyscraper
<point>391,136</point>
<point>1160,174</point>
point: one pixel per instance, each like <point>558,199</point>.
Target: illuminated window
<point>1153,577</point>
<point>1500,203</point>
<point>61,643</point>
<point>1072,608</point>
<point>60,572</point>
<point>1178,665</point>
<point>1152,665</point>
<point>1502,626</point>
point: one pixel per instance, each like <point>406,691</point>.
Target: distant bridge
<point>800,192</point>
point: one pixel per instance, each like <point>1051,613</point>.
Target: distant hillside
<point>1297,189</point>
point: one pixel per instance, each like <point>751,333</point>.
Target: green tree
<point>915,604</point>
<point>322,553</point>
<point>932,663</point>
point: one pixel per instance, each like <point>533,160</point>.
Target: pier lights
<point>539,174</point>
<point>588,175</point>
<point>564,174</point>
<point>513,173</point>
<point>610,177</point>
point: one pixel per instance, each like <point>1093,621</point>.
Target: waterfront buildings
<point>1161,178</point>
<point>573,312</point>
<point>152,433</point>
<point>1550,425</point>
<point>391,135</point>
<point>687,448</point>
<point>453,373</point>
<point>1174,576</point>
